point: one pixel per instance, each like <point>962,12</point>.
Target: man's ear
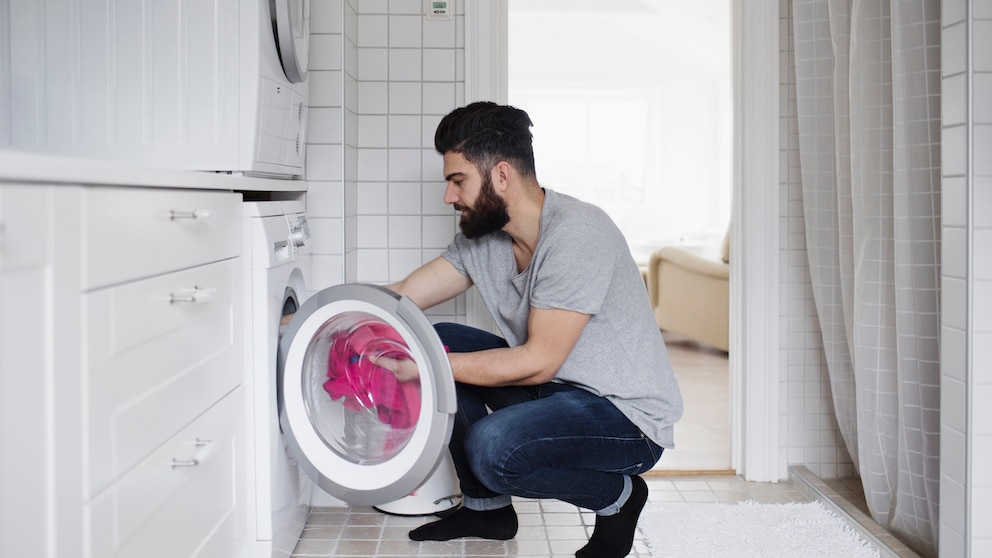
<point>501,174</point>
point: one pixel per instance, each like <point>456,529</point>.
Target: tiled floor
<point>548,528</point>
<point>702,437</point>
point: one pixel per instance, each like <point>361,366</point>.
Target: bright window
<point>631,101</point>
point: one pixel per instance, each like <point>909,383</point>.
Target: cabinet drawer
<point>180,499</point>
<point>159,352</point>
<point>130,233</point>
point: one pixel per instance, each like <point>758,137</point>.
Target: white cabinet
<point>130,233</point>
<point>120,362</point>
<point>25,454</point>
<point>161,279</point>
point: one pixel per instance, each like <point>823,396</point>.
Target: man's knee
<point>494,454</point>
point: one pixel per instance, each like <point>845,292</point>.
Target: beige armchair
<point>690,293</point>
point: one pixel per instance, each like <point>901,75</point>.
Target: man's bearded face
<point>489,213</point>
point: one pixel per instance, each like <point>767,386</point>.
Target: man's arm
<point>551,335</point>
<point>432,283</point>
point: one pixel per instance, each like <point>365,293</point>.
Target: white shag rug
<point>749,529</point>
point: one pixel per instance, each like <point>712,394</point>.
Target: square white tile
<point>373,64</point>
<point>404,165</point>
<point>404,231</point>
<point>404,98</point>
<point>404,198</point>
<point>405,31</point>
<point>404,64</point>
<point>439,64</point>
<point>404,130</point>
<point>373,97</point>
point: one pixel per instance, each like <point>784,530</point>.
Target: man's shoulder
<point>569,212</point>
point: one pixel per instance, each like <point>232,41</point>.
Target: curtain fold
<point>868,102</point>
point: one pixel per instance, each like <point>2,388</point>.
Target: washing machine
<point>329,424</point>
<point>367,400</point>
<point>277,265</point>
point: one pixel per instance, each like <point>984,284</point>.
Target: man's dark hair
<point>486,133</point>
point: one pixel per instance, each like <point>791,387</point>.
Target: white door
<point>363,433</point>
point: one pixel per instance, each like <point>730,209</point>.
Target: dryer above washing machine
<point>367,398</point>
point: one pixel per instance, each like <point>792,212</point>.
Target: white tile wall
<point>381,79</point>
<point>966,305</point>
<point>980,454</point>
<point>325,144</point>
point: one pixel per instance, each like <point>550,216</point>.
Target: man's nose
<point>450,196</point>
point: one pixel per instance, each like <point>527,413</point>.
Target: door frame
<point>757,449</point>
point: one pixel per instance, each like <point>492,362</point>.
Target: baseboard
<point>814,488</point>
<point>690,473</point>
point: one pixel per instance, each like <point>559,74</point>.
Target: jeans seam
<point>509,455</point>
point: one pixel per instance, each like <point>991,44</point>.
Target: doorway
<point>758,449</point>
<point>639,122</point>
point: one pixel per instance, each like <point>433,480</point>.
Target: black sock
<point>613,536</point>
<point>499,524</point>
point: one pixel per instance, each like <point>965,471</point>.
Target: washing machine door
<point>366,397</point>
<point>291,22</point>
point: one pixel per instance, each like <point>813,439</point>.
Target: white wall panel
<point>153,82</point>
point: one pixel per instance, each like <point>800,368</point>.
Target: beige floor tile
<point>702,436</point>
<point>547,527</point>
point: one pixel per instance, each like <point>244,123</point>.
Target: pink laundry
<point>363,385</point>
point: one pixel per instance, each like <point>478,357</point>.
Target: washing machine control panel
<point>299,230</point>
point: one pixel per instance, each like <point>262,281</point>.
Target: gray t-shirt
<point>582,264</point>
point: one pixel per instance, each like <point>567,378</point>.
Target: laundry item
<point>355,379</point>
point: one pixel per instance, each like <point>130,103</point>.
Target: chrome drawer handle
<point>199,443</point>
<point>193,215</point>
<point>196,295</point>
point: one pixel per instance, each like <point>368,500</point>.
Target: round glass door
<point>367,393</point>
<point>291,21</point>
<point>357,401</point>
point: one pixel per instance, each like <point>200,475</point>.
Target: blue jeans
<point>548,441</point>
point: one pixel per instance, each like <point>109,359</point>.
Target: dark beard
<point>489,214</point>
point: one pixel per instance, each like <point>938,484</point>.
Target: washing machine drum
<point>366,395</point>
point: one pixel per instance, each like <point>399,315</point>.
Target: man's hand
<point>284,323</point>
<point>405,369</point>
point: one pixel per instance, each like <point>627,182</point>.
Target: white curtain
<point>868,102</point>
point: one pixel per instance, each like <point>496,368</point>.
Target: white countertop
<point>24,167</point>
